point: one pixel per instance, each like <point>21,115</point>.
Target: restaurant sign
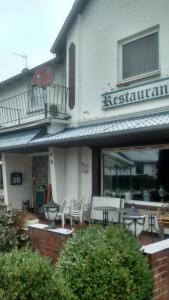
<point>135,94</point>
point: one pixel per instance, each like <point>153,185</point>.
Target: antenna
<point>23,56</point>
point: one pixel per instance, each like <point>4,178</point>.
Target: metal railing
<point>36,104</point>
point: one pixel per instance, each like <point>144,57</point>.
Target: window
<point>38,98</point>
<point>139,56</point>
<point>136,174</point>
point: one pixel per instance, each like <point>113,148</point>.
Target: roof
<point>26,73</point>
<point>60,42</point>
<point>107,129</point>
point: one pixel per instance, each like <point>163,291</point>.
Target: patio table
<point>106,210</point>
<point>135,220</point>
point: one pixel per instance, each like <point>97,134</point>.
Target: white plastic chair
<point>62,212</point>
<point>85,212</point>
<point>75,211</point>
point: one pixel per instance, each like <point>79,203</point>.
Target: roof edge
<point>77,8</point>
<point>28,72</point>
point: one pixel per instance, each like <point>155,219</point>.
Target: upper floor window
<point>139,56</point>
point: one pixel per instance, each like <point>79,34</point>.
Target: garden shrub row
<point>100,264</point>
<point>96,263</point>
<point>26,275</point>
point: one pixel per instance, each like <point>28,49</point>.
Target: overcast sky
<point>29,27</point>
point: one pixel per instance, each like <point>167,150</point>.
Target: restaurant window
<point>137,174</point>
<point>139,56</point>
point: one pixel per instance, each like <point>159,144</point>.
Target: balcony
<point>34,105</point>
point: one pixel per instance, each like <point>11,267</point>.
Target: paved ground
<point>147,238</point>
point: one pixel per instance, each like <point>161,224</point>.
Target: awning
<point>141,130</point>
<point>18,138</point>
<point>106,129</point>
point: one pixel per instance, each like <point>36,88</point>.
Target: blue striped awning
<point>17,138</point>
<point>108,128</point>
<point>37,137</point>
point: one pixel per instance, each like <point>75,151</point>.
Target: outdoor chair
<point>63,211</point>
<point>163,218</point>
<point>75,211</point>
<point>86,211</point>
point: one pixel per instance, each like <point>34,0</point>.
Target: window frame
<point>130,39</point>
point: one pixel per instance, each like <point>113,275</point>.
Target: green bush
<point>8,232</point>
<point>101,264</point>
<point>26,275</point>
<point>11,234</point>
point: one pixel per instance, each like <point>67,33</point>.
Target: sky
<point>29,27</point>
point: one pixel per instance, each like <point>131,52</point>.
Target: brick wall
<point>160,266</point>
<point>158,254</point>
<point>50,243</point>
<point>47,242</point>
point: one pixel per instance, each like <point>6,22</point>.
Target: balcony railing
<point>36,104</point>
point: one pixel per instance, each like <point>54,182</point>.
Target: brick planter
<point>48,242</point>
<point>158,254</point>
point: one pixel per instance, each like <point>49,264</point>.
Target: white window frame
<point>133,38</point>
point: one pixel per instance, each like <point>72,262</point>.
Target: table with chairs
<point>108,210</point>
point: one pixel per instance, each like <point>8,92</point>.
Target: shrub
<point>26,275</point>
<point>11,234</point>
<point>8,232</point>
<point>100,264</point>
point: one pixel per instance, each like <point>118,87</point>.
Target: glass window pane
<point>140,56</point>
<point>136,174</point>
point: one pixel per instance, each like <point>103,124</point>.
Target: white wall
<point>70,173</point>
<point>16,194</point>
<point>13,89</point>
<point>86,173</point>
<point>57,164</point>
<point>96,34</point>
<point>73,183</point>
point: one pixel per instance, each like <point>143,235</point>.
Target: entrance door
<point>40,180</point>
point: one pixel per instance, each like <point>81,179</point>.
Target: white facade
<point>15,195</point>
<point>96,34</point>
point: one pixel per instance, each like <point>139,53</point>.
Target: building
<point>113,138</point>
